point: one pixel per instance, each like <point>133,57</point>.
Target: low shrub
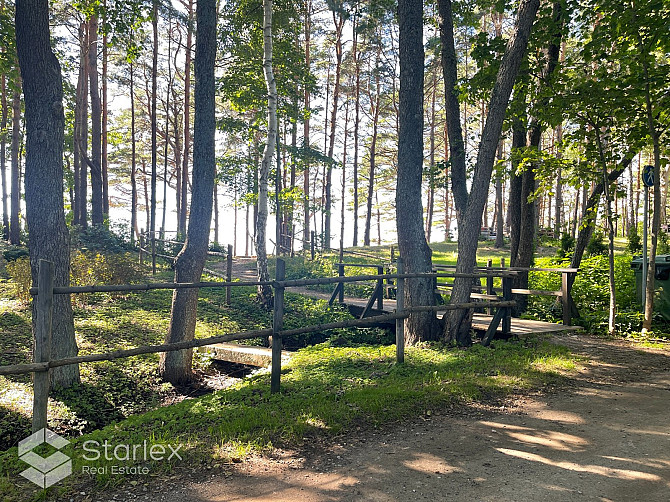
<point>634,241</point>
<point>567,246</point>
<point>19,273</point>
<point>86,268</point>
<point>590,293</point>
<point>596,245</point>
<point>14,253</point>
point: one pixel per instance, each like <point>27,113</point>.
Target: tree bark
<point>265,292</point>
<point>306,236</point>
<point>357,107</point>
<point>14,222</point>
<point>412,242</point>
<point>175,367</point>
<point>134,230</point>
<point>97,206</point>
<point>338,21</point>
<point>3,156</point>
<point>45,122</point>
<point>154,131</point>
<point>470,207</point>
<point>181,224</point>
<point>104,141</point>
<point>81,136</point>
<point>375,105</point>
<point>500,219</point>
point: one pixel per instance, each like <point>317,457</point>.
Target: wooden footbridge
<point>380,303</point>
<point>379,306</point>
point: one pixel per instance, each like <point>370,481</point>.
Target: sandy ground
<point>604,437</point>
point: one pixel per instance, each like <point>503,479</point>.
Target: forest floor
<point>603,436</point>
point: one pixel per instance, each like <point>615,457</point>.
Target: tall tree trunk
<point>45,123</point>
<point>154,131</point>
<point>469,207</point>
<point>373,154</point>
<point>104,159</point>
<point>134,230</point>
<point>558,216</point>
<point>216,214</point>
<point>3,156</point>
<point>83,129</point>
<point>412,242</point>
<point>431,177</point>
<point>97,218</point>
<point>167,129</point>
<point>265,292</point>
<point>652,129</point>
<point>611,330</point>
<point>175,367</point>
<point>357,107</point>
<point>344,175</point>
<point>306,236</point>
<point>338,21</point>
<point>14,224</point>
<point>500,220</point>
<point>181,225</point>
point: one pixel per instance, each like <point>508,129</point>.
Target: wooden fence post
<point>277,325</point>
<point>392,254</point>
<point>229,271</point>
<point>400,306</point>
<point>43,343</point>
<point>311,243</point>
<point>489,284</point>
<point>380,288</point>
<point>507,296</point>
<point>141,247</point>
<point>153,254</point>
<point>565,300</point>
<point>340,273</point>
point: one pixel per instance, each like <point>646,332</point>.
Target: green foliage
<point>663,243</point>
<point>634,242</point>
<point>596,245</point>
<point>590,293</point>
<point>99,239</point>
<point>15,252</point>
<point>86,268</point>
<point>567,245</point>
<point>19,273</point>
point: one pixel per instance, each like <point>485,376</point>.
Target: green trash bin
<point>661,283</point>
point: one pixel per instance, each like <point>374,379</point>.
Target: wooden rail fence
<point>45,290</point>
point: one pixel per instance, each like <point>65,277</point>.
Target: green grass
<point>325,391</point>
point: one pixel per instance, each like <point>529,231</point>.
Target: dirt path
<point>606,437</point>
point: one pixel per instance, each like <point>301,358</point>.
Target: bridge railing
<point>45,290</point>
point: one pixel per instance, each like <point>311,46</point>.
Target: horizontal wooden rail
<point>19,369</point>
<point>345,324</point>
<point>362,265</point>
<point>64,290</point>
<point>516,269</point>
<point>461,306</point>
<point>536,292</point>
